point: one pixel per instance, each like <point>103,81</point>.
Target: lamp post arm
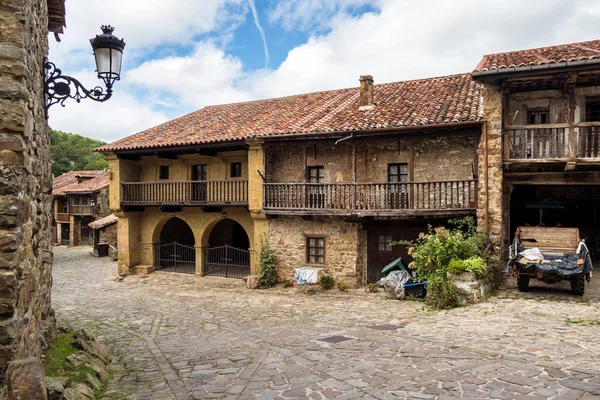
<point>58,88</point>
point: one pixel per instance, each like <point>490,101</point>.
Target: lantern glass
<point>108,63</point>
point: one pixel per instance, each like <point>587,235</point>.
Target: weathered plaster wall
<point>436,158</point>
<point>345,257</point>
<point>26,319</point>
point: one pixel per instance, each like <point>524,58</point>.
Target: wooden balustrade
<point>552,141</point>
<point>364,197</point>
<point>63,217</point>
<point>75,209</point>
<point>185,193</point>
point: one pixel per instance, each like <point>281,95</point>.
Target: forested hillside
<point>72,152</point>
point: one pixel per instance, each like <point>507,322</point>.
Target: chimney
<point>366,92</point>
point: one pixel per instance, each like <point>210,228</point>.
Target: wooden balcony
<point>77,209</point>
<point>62,218</point>
<point>553,143</point>
<point>185,193</point>
<point>411,198</point>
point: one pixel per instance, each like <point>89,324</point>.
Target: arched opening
<point>175,252</point>
<point>227,254</point>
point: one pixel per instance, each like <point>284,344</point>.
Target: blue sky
<point>182,55</point>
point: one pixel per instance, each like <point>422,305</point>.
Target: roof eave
<point>496,74</point>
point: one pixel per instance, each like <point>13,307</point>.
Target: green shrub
<point>475,265</point>
<point>343,286</point>
<point>327,282</point>
<point>442,295</point>
<point>287,283</point>
<point>267,269</point>
<point>372,288</point>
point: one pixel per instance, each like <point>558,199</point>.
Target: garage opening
<point>176,252</point>
<point>227,254</point>
<point>574,206</point>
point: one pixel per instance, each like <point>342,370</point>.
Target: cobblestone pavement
<point>185,337</point>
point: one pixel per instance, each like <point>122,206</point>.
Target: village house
<point>333,178</point>
<point>80,198</point>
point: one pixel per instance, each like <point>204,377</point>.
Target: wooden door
<point>398,190</point>
<point>380,251</point>
<point>315,196</point>
<point>199,188</point>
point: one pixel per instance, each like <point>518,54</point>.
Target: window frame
<point>588,102</point>
<point>537,113</point>
<point>320,174</point>
<point>234,165</point>
<point>308,248</point>
<point>163,172</point>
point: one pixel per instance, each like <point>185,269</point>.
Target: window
<point>398,173</point>
<point>537,117</point>
<point>199,172</point>
<point>385,243</point>
<point>164,172</point>
<point>315,250</point>
<point>236,170</point>
<point>316,174</point>
<point>592,111</point>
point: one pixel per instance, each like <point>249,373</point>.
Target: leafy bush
<point>475,265</point>
<point>372,288</point>
<point>267,269</point>
<point>287,283</point>
<point>327,282</point>
<point>343,286</point>
<point>442,295</point>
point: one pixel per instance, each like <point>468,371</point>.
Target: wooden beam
<point>167,156</point>
<point>572,152</point>
<point>131,157</point>
<point>553,178</point>
<point>207,152</point>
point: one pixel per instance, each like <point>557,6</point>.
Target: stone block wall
<point>344,258</point>
<point>102,206</point>
<point>436,158</point>
<point>26,318</point>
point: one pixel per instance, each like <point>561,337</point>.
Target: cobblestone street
<point>185,337</point>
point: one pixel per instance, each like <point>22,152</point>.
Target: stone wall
<point>344,258</point>
<point>436,158</point>
<point>108,234</point>
<point>102,206</point>
<point>27,321</point>
<point>492,113</point>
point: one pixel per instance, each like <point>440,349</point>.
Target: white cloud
<point>207,76</point>
<point>400,40</point>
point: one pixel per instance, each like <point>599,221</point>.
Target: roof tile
<point>447,99</point>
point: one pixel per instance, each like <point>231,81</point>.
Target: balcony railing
<point>75,209</point>
<point>553,142</point>
<point>62,217</point>
<point>368,198</point>
<point>217,193</point>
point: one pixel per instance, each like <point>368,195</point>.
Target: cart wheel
<point>523,282</point>
<point>578,285</point>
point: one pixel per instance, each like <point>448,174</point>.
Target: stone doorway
<point>175,251</point>
<point>227,254</point>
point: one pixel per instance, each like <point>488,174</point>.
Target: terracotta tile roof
<point>102,222</point>
<point>448,99</point>
<point>69,183</point>
<point>552,55</point>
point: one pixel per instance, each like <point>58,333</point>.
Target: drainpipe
<point>344,138</point>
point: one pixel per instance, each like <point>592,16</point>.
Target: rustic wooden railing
<point>434,195</point>
<point>62,217</point>
<point>552,141</point>
<point>185,193</point>
<point>75,209</point>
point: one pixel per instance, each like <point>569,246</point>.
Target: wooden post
<point>411,172</point>
<point>506,120</point>
<point>571,117</point>
<point>353,176</point>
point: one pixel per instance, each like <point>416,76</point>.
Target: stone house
<point>27,323</point>
<point>104,232</point>
<point>80,197</point>
<point>542,110</point>
<point>331,178</point>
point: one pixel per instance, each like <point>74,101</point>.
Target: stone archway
<point>227,254</point>
<point>175,250</point>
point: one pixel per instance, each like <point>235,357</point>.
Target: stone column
<point>129,241</point>
<point>261,228</point>
<point>492,113</point>
<point>73,237</point>
<point>256,167</point>
<point>200,254</point>
<point>120,171</point>
<point>59,233</point>
<point>147,254</point>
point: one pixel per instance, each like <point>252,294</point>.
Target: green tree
<point>72,152</point>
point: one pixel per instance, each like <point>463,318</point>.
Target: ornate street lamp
<point>108,51</point>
